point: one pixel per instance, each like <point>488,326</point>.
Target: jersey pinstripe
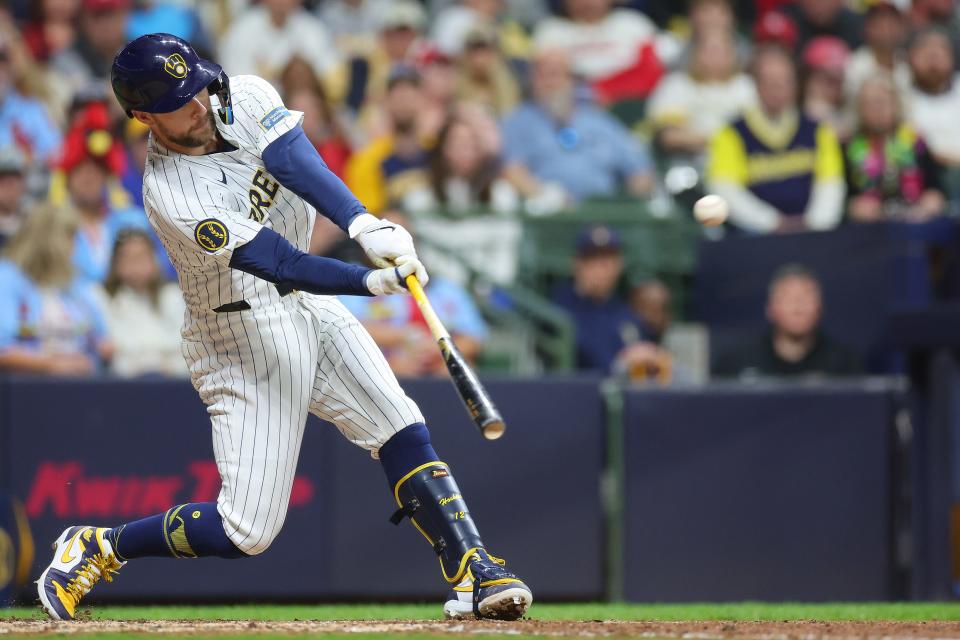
<point>261,370</point>
<point>233,188</point>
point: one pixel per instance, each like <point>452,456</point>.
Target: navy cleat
<point>81,557</point>
<point>488,591</point>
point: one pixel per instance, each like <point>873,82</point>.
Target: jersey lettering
<point>261,195</point>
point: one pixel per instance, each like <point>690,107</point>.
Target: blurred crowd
<point>802,114</point>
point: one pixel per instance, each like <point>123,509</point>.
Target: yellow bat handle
<point>436,327</point>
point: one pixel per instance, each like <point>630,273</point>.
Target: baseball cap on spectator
<point>826,53</point>
<point>102,6</point>
<point>12,161</point>
<point>597,240</point>
<point>480,35</point>
<point>921,35</point>
<point>404,14</point>
<point>882,7</point>
<point>89,138</point>
<point>428,55</point>
<point>776,27</point>
<point>403,73</point>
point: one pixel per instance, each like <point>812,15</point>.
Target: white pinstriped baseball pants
<point>259,372</point>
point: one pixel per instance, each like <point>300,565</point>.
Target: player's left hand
<point>419,270</point>
<point>383,282</point>
<point>385,242</point>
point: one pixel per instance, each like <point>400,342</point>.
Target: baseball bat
<point>475,398</point>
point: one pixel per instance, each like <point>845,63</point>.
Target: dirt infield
<point>805,630</point>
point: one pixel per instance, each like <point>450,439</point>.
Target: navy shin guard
<point>429,496</point>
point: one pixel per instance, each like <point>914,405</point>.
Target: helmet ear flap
<point>221,88</point>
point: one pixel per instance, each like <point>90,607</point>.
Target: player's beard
<point>200,136</point>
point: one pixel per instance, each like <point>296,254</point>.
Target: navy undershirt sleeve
<point>271,257</point>
<point>295,163</point>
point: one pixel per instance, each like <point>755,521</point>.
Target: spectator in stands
<point>143,311</point>
<point>613,49</point>
<point>34,78</point>
<point>795,345</point>
<point>438,77</point>
<point>452,24</point>
<point>609,336</point>
<point>815,18</point>
<point>689,106</point>
<point>774,27</point>
<point>777,168</point>
<point>99,224</point>
<point>885,32</point>
<point>922,14</point>
<point>49,319</point>
<point>401,31</point>
<point>524,12</point>
<point>264,39</point>
<point>13,189</point>
<point>651,301</point>
<point>298,75</point>
<point>484,76</point>
<point>392,165</point>
<point>397,327</point>
<point>24,121</point>
<point>51,28</point>
<point>559,150</point>
<point>890,171</point>
<point>91,158</point>
<point>324,126</point>
<point>934,100</point>
<point>707,18</point>
<point>824,71</point>
<point>103,32</point>
<point>401,28</point>
<point>464,172</point>
<point>170,16</point>
<point>354,24</point>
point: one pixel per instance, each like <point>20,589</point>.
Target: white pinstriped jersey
<point>204,207</point>
<point>260,371</point>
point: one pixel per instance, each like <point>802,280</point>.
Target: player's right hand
<point>383,282</point>
<point>383,241</point>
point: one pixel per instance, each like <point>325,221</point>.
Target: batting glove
<point>420,272</point>
<point>383,241</point>
<point>384,282</point>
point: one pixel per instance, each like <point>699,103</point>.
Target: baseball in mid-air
<point>711,210</point>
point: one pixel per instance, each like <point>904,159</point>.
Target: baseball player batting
<point>231,186</point>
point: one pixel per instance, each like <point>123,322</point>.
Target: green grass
<point>594,611</point>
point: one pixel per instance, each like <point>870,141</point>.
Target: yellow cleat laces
<point>94,568</point>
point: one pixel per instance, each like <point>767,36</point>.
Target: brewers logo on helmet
<point>159,73</point>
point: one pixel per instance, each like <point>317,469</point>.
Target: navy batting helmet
<point>159,73</point>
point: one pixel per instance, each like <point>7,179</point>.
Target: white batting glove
<point>384,282</point>
<point>420,272</point>
<point>383,241</point>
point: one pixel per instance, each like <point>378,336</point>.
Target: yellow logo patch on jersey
<point>211,235</point>
<point>176,66</point>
